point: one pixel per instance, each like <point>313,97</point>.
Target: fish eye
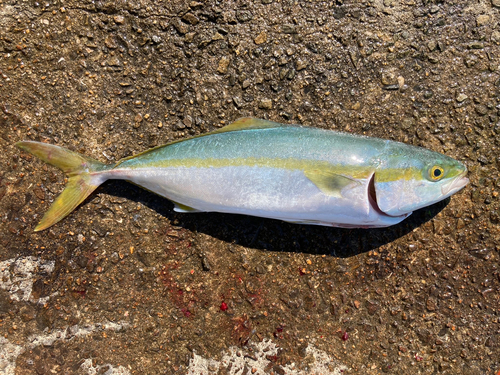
<point>436,173</point>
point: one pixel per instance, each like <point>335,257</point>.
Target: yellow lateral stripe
<point>356,172</point>
<point>291,164</point>
<point>394,174</point>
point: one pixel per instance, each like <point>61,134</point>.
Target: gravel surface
<point>124,285</point>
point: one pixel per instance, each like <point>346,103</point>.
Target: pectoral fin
<point>329,182</point>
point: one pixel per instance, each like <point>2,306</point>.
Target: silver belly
<point>260,191</point>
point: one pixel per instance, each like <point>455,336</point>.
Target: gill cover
<point>395,198</point>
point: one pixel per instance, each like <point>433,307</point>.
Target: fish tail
<point>83,178</point>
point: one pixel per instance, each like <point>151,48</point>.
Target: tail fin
<point>81,179</point>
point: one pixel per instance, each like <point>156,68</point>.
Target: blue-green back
<point>283,142</point>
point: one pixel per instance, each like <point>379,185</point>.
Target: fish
<point>256,167</point>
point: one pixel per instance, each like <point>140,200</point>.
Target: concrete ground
<point>124,285</point>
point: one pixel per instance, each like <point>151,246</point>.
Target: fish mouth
<point>455,185</point>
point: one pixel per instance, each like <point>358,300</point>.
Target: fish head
<point>408,178</point>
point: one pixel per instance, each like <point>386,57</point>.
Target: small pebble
<point>476,45</point>
<point>481,109</point>
<point>190,18</point>
<point>223,65</point>
<point>495,36</point>
<point>244,15</point>
<point>431,304</point>
<point>300,64</point>
<point>266,104</point>
<point>391,87</point>
<point>110,42</point>
<point>237,102</point>
<point>482,20</point>
<point>288,29</point>
<point>261,38</point>
<point>372,306</point>
<point>388,78</point>
<point>195,5</point>
<point>114,61</point>
<point>434,9</point>
<point>181,27</point>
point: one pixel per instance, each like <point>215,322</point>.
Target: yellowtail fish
<point>262,168</point>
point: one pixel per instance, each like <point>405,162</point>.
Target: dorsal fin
<point>247,123</point>
<point>244,123</point>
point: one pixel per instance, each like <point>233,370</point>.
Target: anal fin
<point>182,208</point>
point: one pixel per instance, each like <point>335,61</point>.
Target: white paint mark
<point>323,363</point>
<point>71,332</point>
<point>6,11</point>
<point>16,276</point>
<point>9,352</point>
<point>109,370</point>
<point>236,363</point>
<point>8,355</point>
<point>200,365</point>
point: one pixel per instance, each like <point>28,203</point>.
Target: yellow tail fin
<point>83,178</point>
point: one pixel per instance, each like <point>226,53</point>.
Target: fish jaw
<point>455,185</point>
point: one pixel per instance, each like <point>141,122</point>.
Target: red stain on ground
<point>178,245</point>
<point>183,300</point>
<point>278,333</point>
<point>79,293</point>
<point>242,329</point>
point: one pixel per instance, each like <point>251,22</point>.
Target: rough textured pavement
<point>126,286</point>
